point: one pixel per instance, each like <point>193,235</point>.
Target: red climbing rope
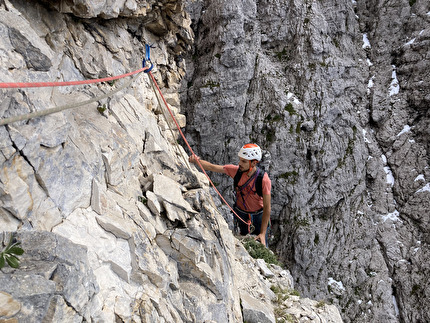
<point>192,151</point>
<point>108,79</point>
<point>67,83</point>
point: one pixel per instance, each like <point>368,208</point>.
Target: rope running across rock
<point>146,69</point>
<point>192,151</point>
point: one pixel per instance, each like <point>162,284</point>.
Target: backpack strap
<point>236,178</point>
<point>258,181</point>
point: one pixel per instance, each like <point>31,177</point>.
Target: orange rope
<point>192,152</point>
<point>68,83</point>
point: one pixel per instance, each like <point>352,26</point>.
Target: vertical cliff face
<point>337,95</point>
<point>115,225</point>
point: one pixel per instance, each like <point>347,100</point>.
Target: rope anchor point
<point>147,58</point>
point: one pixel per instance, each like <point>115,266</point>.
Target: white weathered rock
<point>170,191</point>
<point>153,203</point>
<point>81,227</point>
<point>264,269</point>
<point>255,311</point>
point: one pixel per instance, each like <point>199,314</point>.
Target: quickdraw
<point>147,58</point>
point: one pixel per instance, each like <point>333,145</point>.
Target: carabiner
<point>147,58</point>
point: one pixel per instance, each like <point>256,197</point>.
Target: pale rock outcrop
<point>114,222</point>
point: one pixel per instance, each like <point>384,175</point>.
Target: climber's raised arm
<point>207,165</point>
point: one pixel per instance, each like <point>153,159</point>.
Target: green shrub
<point>291,177</point>
<point>283,55</point>
<point>142,199</point>
<point>258,251</point>
<point>289,107</point>
<point>9,254</point>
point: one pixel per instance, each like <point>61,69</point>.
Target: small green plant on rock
<point>287,318</point>
<point>101,108</point>
<point>283,55</point>
<point>211,84</point>
<point>290,109</point>
<point>259,251</point>
<point>290,177</point>
<point>9,254</point>
<point>282,294</point>
<point>142,199</point>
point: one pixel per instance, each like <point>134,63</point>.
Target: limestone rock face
<point>337,95</point>
<point>55,280</point>
<point>114,222</point>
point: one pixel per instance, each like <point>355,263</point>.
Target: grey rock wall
<point>337,95</point>
<point>115,224</point>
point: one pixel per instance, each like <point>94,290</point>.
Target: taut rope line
<point>168,123</point>
<point>192,151</point>
<point>42,113</point>
<point>67,83</point>
<point>145,69</point>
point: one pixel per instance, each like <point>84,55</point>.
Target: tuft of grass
<point>270,135</point>
<point>142,199</point>
<point>258,251</point>
<point>316,239</point>
<point>282,294</point>
<point>211,84</point>
<point>290,109</point>
<point>415,289</point>
<point>298,127</point>
<point>273,118</point>
<point>283,55</point>
<point>336,43</point>
<point>290,177</point>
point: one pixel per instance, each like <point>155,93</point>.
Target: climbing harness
<point>256,183</point>
<point>250,216</point>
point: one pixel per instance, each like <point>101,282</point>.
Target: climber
<point>252,186</point>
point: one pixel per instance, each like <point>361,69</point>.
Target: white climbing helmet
<point>250,152</point>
